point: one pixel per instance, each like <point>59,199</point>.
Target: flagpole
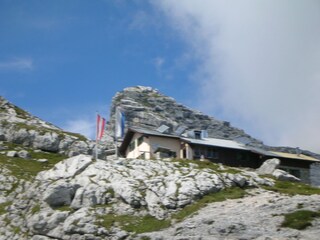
<point>115,132</point>
<point>97,133</point>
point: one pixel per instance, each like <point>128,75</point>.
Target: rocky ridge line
<point>19,127</point>
<point>148,108</point>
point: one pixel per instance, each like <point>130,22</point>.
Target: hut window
<point>132,146</point>
<point>212,153</point>
<point>140,140</point>
<point>197,134</point>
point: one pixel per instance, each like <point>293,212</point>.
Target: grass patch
<point>206,164</point>
<point>77,135</point>
<point>134,224</point>
<point>64,208</point>
<point>43,130</point>
<point>3,206</point>
<point>20,125</point>
<point>230,193</point>
<point>28,169</point>
<point>149,223</point>
<point>293,188</point>
<point>300,219</point>
<point>20,112</point>
<point>35,209</point>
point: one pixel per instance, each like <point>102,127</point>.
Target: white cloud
<point>17,64</point>
<point>158,63</point>
<point>85,127</point>
<point>259,64</point>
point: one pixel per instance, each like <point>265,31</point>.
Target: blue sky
<point>63,60</point>
<point>253,63</point>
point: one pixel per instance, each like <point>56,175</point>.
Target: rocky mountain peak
<point>148,108</point>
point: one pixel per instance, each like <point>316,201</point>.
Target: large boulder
<point>60,193</point>
<point>47,142</point>
<point>284,176</point>
<point>44,222</point>
<point>24,154</point>
<point>269,166</point>
<point>65,169</point>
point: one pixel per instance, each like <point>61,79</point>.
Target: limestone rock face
<point>20,127</point>
<point>59,194</point>
<point>269,166</point>
<point>148,108</point>
<point>258,216</point>
<point>68,168</point>
<point>69,199</point>
<point>284,176</point>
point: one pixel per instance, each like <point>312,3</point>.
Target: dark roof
<point>152,132</point>
<point>261,151</point>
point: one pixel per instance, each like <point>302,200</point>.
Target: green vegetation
<point>28,169</point>
<point>145,238</point>
<point>77,135</point>
<point>111,191</point>
<point>64,208</point>
<point>20,112</point>
<point>230,193</point>
<point>206,165</point>
<point>148,223</point>
<point>35,209</point>
<point>28,127</point>
<point>300,219</point>
<point>16,230</point>
<point>133,224</point>
<point>293,188</point>
<point>3,206</point>
<point>155,95</point>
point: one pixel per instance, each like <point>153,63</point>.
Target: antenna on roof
<point>298,151</point>
<point>162,129</point>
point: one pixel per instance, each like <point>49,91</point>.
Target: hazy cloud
<point>259,64</point>
<point>158,63</point>
<point>85,127</point>
<point>17,64</point>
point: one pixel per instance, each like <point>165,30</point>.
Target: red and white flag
<point>101,122</point>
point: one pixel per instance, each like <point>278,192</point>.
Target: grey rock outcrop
<point>24,154</point>
<point>148,108</point>
<point>59,194</point>
<point>20,127</point>
<point>269,166</point>
<point>88,190</point>
<point>258,216</point>
<point>284,176</point>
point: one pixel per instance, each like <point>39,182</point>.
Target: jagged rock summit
<point>146,107</point>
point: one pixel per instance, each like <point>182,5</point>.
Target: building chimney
<point>298,151</point>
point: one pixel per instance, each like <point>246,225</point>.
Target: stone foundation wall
<point>315,174</point>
